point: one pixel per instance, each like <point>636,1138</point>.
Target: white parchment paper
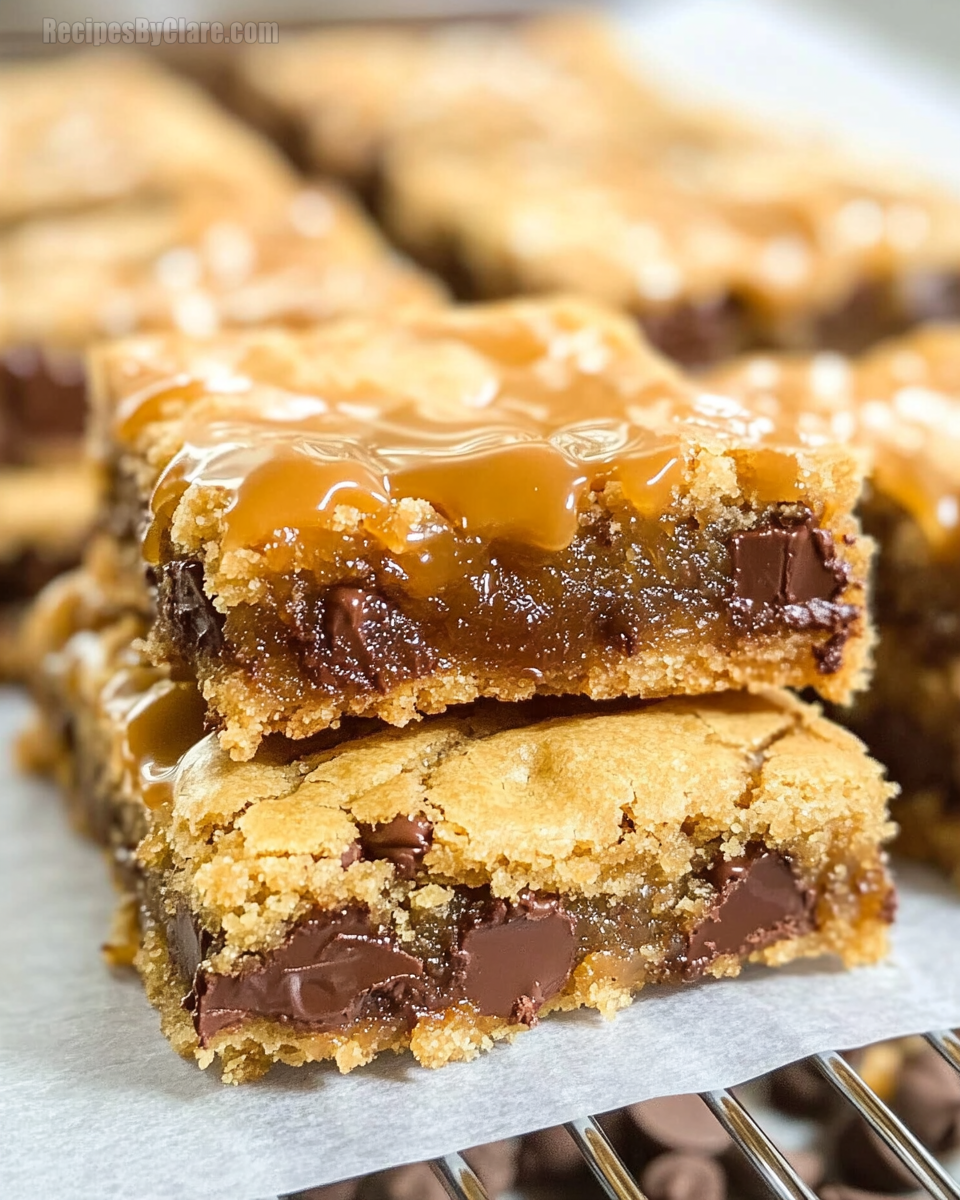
<point>95,1105</point>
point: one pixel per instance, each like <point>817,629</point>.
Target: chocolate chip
<point>927,1100</point>
<point>550,1155</point>
<point>678,1123</point>
<point>698,332</point>
<point>188,942</point>
<point>322,976</point>
<point>352,854</point>
<point>799,1090</point>
<point>495,1164</point>
<point>683,1177</point>
<point>759,901</point>
<point>355,635</point>
<point>403,841</point>
<point>42,398</point>
<point>185,611</point>
<point>516,956</point>
<point>865,1161</point>
<point>783,565</point>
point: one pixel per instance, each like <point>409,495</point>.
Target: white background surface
<point>94,1104</point>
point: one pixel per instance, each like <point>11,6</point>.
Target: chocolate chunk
<point>42,399</point>
<point>30,571</point>
<point>355,635</point>
<point>698,332</point>
<point>403,841</point>
<point>352,854</point>
<point>516,956</point>
<point>759,901</point>
<point>863,1160</point>
<point>927,1100</point>
<point>184,609</point>
<point>678,1123</point>
<point>784,565</point>
<point>188,942</point>
<point>322,976</point>
<point>683,1177</point>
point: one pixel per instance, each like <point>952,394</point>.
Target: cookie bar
<point>716,241</point>
<point>383,517</point>
<point>196,224</point>
<point>442,887</point>
<point>533,157</point>
<point>902,403</point>
<point>337,98</point>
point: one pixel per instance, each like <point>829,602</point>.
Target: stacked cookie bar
<point>130,202</point>
<point>456,698</point>
<point>901,403</point>
<point>530,158</point>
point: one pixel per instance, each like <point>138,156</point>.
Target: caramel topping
<point>161,722</point>
<point>502,419</point>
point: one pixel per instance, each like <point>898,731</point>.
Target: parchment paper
<point>93,1102</point>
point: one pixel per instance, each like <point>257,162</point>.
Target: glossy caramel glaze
<point>503,420</point>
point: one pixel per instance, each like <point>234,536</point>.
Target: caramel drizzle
<point>157,721</point>
<point>501,439</point>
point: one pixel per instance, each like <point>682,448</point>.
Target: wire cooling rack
<point>462,1183</point>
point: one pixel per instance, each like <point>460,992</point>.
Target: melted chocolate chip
<point>322,976</point>
<point>759,901</point>
<point>517,956</point>
<point>188,941</point>
<point>352,854</point>
<point>403,841</point>
<point>784,565</point>
<point>184,609</point>
<point>355,635</point>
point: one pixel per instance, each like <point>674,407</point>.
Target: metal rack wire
<point>461,1181</point>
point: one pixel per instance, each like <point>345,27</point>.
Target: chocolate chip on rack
<point>683,1177</point>
<point>678,1123</point>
